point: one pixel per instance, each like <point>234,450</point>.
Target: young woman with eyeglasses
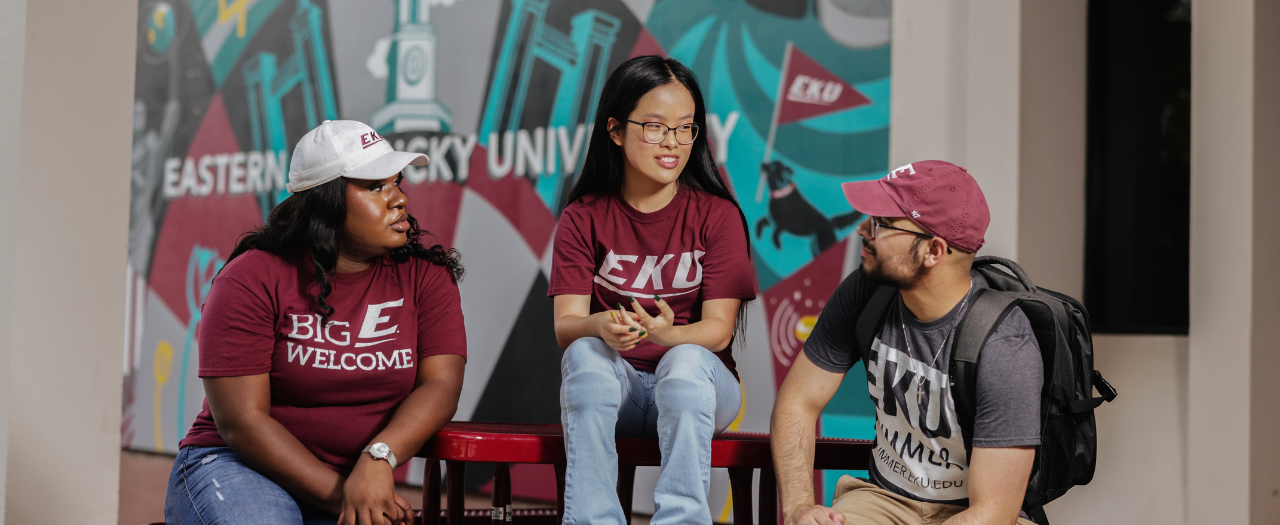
<point>650,274</point>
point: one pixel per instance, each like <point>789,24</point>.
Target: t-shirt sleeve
<point>440,327</point>
<point>572,256</point>
<point>831,343</point>
<point>1010,377</point>
<point>237,328</point>
<point>726,267</point>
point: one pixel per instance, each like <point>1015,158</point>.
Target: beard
<point>903,272</point>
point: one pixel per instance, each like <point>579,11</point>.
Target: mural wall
<point>501,95</point>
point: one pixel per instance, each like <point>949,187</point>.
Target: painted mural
<point>501,95</point>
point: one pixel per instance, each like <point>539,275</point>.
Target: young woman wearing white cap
<point>650,272</point>
<point>331,344</point>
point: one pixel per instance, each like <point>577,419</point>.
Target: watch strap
<point>390,459</point>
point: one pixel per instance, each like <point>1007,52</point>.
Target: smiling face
<point>661,163</point>
<point>376,218</point>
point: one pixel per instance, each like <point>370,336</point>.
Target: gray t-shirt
<point>919,449</point>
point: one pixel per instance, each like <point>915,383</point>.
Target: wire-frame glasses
<point>655,132</point>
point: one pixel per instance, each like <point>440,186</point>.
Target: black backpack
<point>1068,433</point>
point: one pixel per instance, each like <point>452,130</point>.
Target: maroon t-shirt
<point>690,251</point>
<point>333,388</point>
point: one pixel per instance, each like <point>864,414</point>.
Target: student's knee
<point>686,380</point>
<point>688,362</point>
<point>589,376</point>
<point>862,502</point>
<point>219,488</point>
<point>587,353</point>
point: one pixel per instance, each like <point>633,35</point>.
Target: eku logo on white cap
<point>369,139</point>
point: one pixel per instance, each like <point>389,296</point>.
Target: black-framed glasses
<point>876,226</point>
<point>655,132</point>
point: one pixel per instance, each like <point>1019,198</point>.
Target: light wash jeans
<point>691,398</point>
<point>209,485</point>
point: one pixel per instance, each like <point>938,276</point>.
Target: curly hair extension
<point>305,228</point>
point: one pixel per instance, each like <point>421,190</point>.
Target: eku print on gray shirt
<point>919,449</point>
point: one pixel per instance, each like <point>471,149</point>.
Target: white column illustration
<point>411,79</point>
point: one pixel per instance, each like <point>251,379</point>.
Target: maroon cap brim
<point>870,198</point>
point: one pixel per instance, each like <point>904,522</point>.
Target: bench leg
<point>455,483</point>
<point>768,497</point>
<point>626,488</point>
<point>560,468</point>
<point>506,493</point>
<point>431,493</point>
<point>501,512</point>
<point>740,483</point>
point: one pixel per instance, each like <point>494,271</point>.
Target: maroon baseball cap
<point>938,195</point>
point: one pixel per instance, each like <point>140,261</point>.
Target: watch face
<point>379,450</point>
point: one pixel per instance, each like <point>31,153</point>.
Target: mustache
<point>868,246</point>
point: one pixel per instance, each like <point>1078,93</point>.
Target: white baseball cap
<point>345,148</point>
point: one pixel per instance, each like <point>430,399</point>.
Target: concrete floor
<point>143,478</point>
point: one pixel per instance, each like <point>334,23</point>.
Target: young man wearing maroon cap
<point>925,223</point>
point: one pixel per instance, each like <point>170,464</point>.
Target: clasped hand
<point>814,515</point>
<point>369,496</point>
<point>622,329</point>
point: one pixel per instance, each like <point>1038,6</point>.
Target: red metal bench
<point>505,443</point>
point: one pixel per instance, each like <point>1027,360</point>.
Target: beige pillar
<point>955,97</point>
<point>66,91</point>
<point>1051,147</point>
<point>13,17</point>
<point>1264,435</point>
<point>1234,357</point>
<point>999,87</point>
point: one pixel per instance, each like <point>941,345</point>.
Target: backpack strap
<point>988,310</point>
<point>1037,515</point>
<point>870,317</point>
<point>1081,406</point>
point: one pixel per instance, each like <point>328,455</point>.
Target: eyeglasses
<point>655,132</point>
<point>876,226</point>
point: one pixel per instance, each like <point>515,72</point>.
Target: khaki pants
<point>862,502</point>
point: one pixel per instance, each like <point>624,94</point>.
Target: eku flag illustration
<point>810,90</point>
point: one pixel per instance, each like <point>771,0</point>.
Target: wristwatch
<point>381,451</point>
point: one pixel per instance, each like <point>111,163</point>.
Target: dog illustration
<point>790,212</point>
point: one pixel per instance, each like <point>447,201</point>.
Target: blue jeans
<point>691,398</point>
<point>209,485</point>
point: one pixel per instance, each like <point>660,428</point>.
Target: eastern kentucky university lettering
<point>616,269</point>
<point>919,448</point>
<point>373,331</point>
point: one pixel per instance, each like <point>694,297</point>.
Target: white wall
<point>999,87</point>
<point>1221,177</point>
<point>1233,413</point>
<point>1141,437</point>
<point>1051,144</point>
<point>13,16</point>
<point>66,90</point>
<point>955,97</point>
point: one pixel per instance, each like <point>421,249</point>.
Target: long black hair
<point>603,170</point>
<point>305,228</point>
